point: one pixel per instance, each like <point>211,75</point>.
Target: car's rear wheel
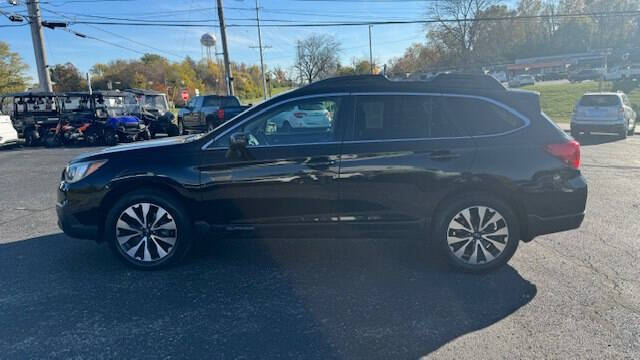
<point>624,131</point>
<point>477,232</point>
<point>148,229</point>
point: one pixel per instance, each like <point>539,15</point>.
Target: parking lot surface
<point>569,295</point>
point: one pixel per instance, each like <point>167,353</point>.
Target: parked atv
<point>152,108</point>
<point>33,113</point>
<point>77,119</point>
<point>99,118</point>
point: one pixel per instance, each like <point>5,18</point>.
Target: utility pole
<point>370,51</point>
<point>264,82</point>
<point>225,49</point>
<point>44,78</point>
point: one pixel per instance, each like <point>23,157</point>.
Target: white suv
<point>607,112</point>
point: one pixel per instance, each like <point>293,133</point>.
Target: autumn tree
<point>66,77</point>
<point>13,75</point>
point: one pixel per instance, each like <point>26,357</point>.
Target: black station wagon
<point>465,164</point>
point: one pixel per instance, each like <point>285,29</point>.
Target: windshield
<point>38,104</point>
<point>112,106</point>
<point>157,102</point>
<point>600,100</point>
<point>76,104</point>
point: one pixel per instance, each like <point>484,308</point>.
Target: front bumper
<point>69,217</point>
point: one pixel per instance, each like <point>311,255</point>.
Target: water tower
<point>207,41</point>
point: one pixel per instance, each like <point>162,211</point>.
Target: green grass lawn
<point>558,100</point>
<point>274,92</point>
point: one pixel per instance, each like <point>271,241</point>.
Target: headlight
<point>78,171</point>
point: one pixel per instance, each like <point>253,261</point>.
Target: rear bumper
<point>542,226</point>
<point>597,127</point>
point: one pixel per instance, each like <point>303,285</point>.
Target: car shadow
<point>246,298</point>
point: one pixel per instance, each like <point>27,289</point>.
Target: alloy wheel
<point>477,235</point>
<point>146,232</point>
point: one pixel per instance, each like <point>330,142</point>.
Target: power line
<point>366,23</point>
<point>121,36</point>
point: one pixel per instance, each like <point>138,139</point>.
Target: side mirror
<point>238,147</point>
<point>238,140</point>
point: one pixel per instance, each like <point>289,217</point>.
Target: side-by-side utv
<point>34,114</point>
<point>97,118</point>
<point>152,107</point>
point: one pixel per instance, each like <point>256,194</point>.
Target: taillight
<point>220,114</point>
<point>299,115</point>
<point>568,152</point>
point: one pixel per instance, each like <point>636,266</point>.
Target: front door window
<point>307,121</point>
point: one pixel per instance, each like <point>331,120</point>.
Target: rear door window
<point>399,117</point>
<point>600,100</point>
<point>478,117</point>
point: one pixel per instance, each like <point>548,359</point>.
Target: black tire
<point>152,134</point>
<point>172,130</point>
<point>110,137</point>
<point>144,135</point>
<point>210,126</point>
<point>31,137</point>
<point>286,127</point>
<point>445,219</point>
<point>92,138</point>
<point>633,130</point>
<point>176,211</point>
<point>52,140</point>
<point>623,132</point>
<point>181,130</point>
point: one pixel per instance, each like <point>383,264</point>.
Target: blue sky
<point>61,47</point>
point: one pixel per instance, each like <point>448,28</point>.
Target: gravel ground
<point>569,295</point>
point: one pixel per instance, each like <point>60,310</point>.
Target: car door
<point>399,157</point>
<point>285,182</point>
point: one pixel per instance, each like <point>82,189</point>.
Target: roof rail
<point>466,81</point>
<point>348,79</point>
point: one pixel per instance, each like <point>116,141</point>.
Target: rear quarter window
<point>478,117</point>
<point>600,100</point>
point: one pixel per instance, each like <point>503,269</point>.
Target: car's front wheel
<point>148,229</point>
<point>477,232</point>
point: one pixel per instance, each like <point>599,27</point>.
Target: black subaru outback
<point>469,166</point>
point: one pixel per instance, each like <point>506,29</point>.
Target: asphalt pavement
<point>573,295</point>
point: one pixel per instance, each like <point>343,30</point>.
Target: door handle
<point>442,155</point>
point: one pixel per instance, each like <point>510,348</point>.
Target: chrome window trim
<point>204,147</point>
<point>526,121</point>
